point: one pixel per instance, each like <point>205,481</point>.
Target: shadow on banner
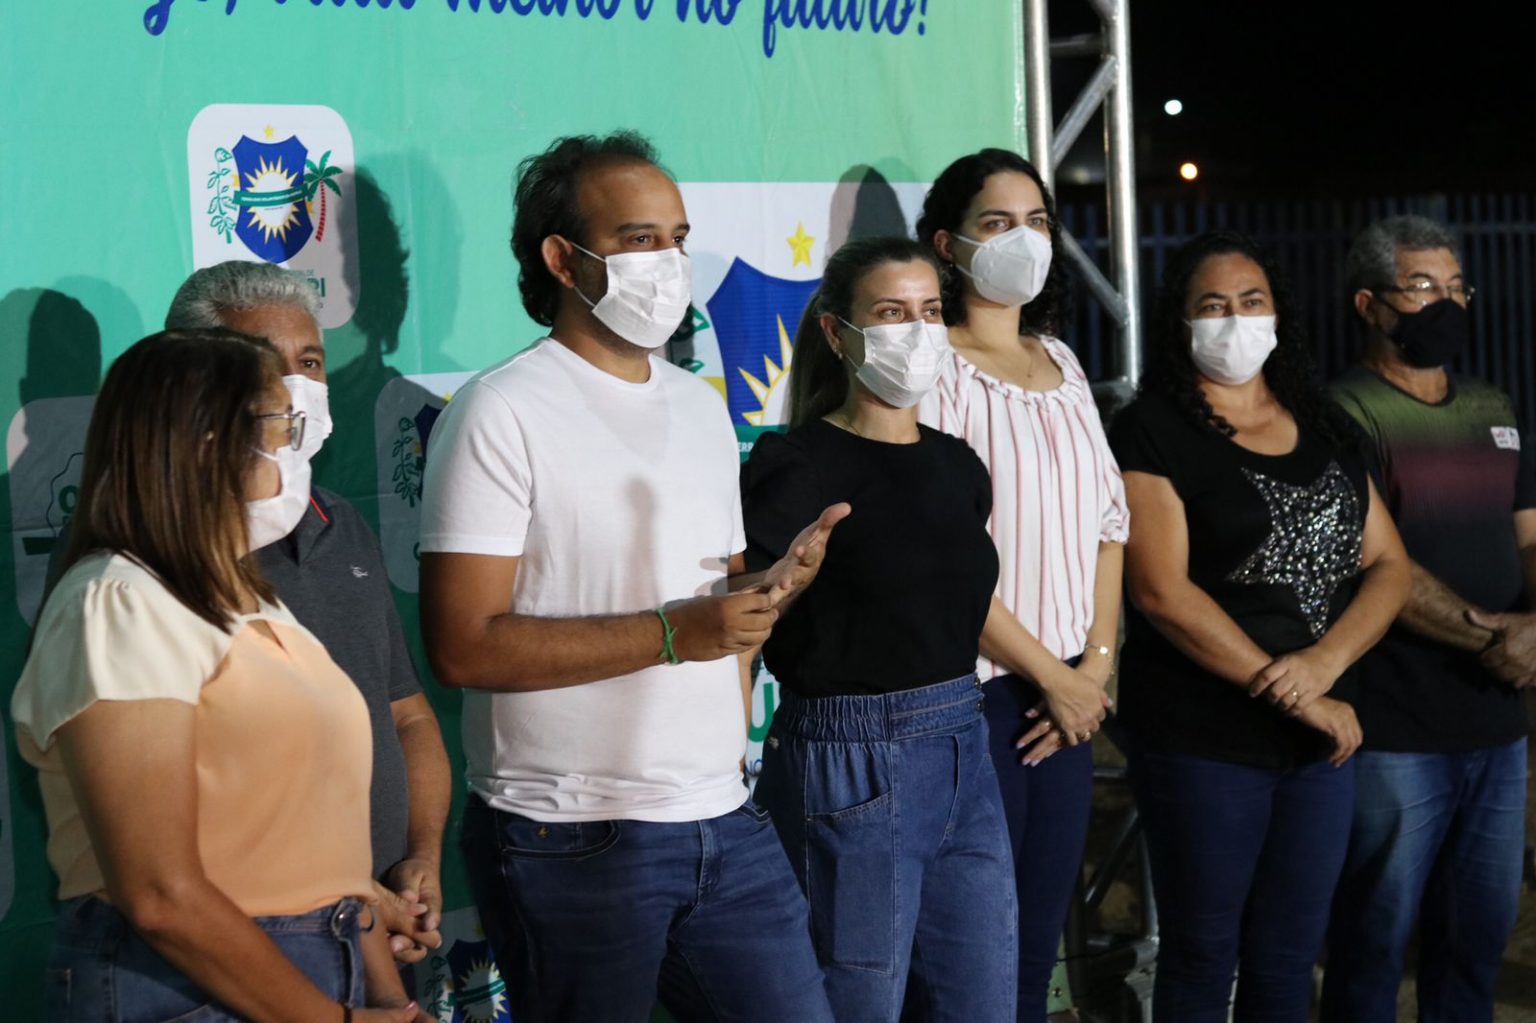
<point>59,372</point>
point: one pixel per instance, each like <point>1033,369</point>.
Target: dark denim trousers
<point>101,971</point>
<point>1244,864</point>
<point>889,809</point>
<point>1438,838</point>
<point>1047,808</point>
<point>592,922</point>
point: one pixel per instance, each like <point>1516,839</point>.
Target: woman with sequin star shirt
<point>1261,565</point>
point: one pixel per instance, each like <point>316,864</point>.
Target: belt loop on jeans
<point>347,914</point>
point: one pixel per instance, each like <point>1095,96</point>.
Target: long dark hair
<point>171,442</point>
<point>944,209</point>
<point>818,383</point>
<point>1289,370</point>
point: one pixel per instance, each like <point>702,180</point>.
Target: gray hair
<point>1372,259</point>
<point>204,298</point>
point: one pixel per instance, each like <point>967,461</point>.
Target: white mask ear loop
<point>842,353</point>
<point>574,286</point>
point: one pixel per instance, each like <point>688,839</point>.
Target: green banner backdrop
<point>370,146</point>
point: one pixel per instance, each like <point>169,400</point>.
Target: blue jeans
<point>1244,863</point>
<point>1438,838</point>
<point>594,921</point>
<point>1047,808</point>
<point>888,806</point>
<point>101,971</point>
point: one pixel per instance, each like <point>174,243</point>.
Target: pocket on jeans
<point>150,990</point>
<point>755,812</point>
<point>851,885</point>
<point>522,838</point>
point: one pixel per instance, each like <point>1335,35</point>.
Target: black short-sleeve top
<point>1276,541</point>
<point>908,577</point>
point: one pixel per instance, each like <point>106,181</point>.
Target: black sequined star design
<point>1314,540</point>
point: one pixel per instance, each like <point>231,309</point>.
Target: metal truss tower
<point>1110,88</point>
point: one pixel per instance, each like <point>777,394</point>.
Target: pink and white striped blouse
<point>1057,492</point>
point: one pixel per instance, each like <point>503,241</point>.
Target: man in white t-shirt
<point>580,532</point>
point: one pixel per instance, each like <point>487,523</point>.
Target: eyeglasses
<point>296,420</point>
<point>1422,293</point>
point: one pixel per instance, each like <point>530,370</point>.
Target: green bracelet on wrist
<point>667,632</point>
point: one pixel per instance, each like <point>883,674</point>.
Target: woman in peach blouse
<point>204,765</point>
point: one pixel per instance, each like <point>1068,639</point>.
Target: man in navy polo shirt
<point>330,572</point>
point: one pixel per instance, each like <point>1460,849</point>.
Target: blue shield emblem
<point>425,420</point>
<point>755,316</point>
<point>272,216</point>
<point>466,987</point>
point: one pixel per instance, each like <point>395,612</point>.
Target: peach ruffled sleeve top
<point>283,748</point>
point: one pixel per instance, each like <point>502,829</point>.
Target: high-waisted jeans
<point>889,809</point>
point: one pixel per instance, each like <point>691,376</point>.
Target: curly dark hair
<point>944,208</point>
<point>544,203</point>
<point>1289,371</point>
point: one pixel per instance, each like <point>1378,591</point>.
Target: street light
<point>1188,171</point>
<point>1173,108</point>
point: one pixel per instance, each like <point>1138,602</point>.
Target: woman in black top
<point>1261,565</point>
<point>876,768</point>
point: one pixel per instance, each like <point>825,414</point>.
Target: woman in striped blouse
<point>1017,395</point>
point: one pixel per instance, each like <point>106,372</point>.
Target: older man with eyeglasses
<point>1439,827</point>
<point>330,572</point>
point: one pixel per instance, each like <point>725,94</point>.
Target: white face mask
<point>1009,268</point>
<point>1231,349</point>
<point>272,518</point>
<point>313,399</point>
<point>902,360</point>
<point>648,295</point>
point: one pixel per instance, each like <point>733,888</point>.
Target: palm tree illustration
<point>318,179</point>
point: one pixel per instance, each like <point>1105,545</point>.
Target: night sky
<point>1346,98</point>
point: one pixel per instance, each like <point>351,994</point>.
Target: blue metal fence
<point>1309,239</point>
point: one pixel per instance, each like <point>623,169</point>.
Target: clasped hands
<point>1072,710</point>
<point>1511,654</point>
<point>1297,685</point>
<point>410,906</point>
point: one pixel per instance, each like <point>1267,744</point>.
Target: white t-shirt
<point>617,497</point>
